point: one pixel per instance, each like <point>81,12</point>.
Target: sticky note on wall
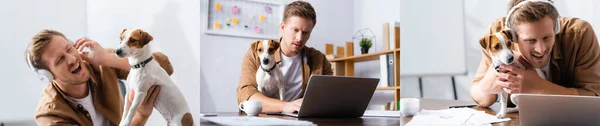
<point>234,21</point>
<point>218,6</point>
<point>217,25</point>
<point>235,10</point>
<point>262,18</point>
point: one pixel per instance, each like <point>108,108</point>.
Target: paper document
<point>380,113</point>
<point>454,117</point>
<point>254,121</point>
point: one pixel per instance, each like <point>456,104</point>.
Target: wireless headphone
<point>43,74</point>
<point>507,19</point>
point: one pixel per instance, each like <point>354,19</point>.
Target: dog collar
<point>271,69</point>
<point>141,64</point>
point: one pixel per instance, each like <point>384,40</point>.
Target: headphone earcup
<point>45,75</point>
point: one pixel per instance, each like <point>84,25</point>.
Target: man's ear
<point>483,42</point>
<point>145,37</point>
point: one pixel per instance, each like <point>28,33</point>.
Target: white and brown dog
<point>500,48</point>
<point>146,72</point>
<point>268,76</point>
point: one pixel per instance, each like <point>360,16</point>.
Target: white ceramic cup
<point>251,108</point>
<point>409,106</point>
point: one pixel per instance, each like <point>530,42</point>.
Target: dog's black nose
<point>265,61</point>
<point>118,51</point>
<point>510,59</point>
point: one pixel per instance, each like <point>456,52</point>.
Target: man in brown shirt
<point>84,89</point>
<point>299,62</point>
<point>570,60</point>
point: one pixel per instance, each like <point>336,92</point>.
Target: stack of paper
<point>454,117</point>
<point>254,121</point>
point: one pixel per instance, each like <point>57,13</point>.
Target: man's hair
<point>36,46</point>
<point>531,12</point>
<point>300,9</point>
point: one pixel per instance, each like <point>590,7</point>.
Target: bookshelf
<point>343,65</point>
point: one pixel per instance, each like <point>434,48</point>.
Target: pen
<point>463,106</point>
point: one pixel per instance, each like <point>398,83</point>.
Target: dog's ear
<point>275,44</point>
<point>508,34</point>
<point>145,37</point>
<point>122,32</point>
<point>483,42</point>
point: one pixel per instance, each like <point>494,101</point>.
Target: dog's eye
<point>270,49</point>
<point>259,50</point>
<point>509,44</point>
<point>132,40</point>
<point>497,46</point>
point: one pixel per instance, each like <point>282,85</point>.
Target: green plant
<point>365,43</point>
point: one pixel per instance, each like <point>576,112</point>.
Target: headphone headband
<point>507,24</point>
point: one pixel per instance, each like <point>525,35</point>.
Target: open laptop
<point>336,97</point>
<point>561,110</point>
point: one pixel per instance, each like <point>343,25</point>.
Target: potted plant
<point>365,44</point>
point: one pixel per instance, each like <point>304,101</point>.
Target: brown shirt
<point>56,108</point>
<point>575,57</point>
<point>313,63</point>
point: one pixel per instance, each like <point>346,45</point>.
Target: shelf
<point>364,57</point>
<point>388,88</point>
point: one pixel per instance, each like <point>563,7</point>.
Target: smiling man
<point>569,59</point>
<point>298,62</point>
<point>84,89</point>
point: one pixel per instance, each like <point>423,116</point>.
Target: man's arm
<point>53,121</point>
<point>587,67</point>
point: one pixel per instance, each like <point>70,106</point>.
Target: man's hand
<point>145,109</point>
<point>519,80</point>
<point>293,106</point>
<point>97,55</point>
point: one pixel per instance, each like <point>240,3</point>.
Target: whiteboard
<point>244,18</point>
<point>432,39</point>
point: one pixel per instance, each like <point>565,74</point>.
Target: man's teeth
<point>75,69</point>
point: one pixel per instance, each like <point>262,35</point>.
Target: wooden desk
<point>363,121</point>
<point>431,104</point>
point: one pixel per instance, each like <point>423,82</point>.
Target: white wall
<point>222,55</point>
<point>21,19</point>
<point>175,26</point>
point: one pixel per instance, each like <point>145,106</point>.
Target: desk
<point>432,104</point>
<point>363,121</point>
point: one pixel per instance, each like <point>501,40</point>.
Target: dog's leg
<point>125,104</point>
<point>281,86</point>
<point>184,119</point>
<point>137,100</point>
<point>503,104</point>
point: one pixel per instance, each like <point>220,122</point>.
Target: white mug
<point>252,108</point>
<point>409,106</point>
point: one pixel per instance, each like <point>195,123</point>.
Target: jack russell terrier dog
<point>268,76</point>
<point>146,72</point>
<point>500,48</point>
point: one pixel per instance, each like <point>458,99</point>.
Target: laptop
<point>336,97</point>
<point>562,110</point>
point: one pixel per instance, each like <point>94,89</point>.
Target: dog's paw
<point>501,114</point>
<point>512,110</point>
